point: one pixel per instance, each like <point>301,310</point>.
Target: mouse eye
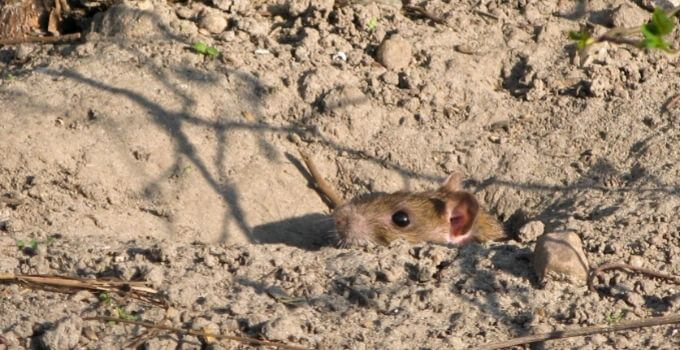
<point>400,219</point>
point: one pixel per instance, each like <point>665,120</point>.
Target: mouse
<point>447,215</point>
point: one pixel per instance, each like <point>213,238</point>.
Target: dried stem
<point>647,322</point>
<point>194,333</point>
<point>621,266</point>
<point>134,289</point>
<point>423,12</point>
<point>321,184</point>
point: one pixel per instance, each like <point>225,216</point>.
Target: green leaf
<point>200,47</point>
<point>372,23</point>
<point>33,244</point>
<point>104,297</point>
<point>581,38</point>
<point>653,41</point>
<point>212,52</point>
<point>660,24</point>
<point>655,29</point>
<point>21,244</point>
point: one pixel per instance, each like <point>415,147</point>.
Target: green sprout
<point>662,23</point>
<point>104,297</point>
<point>372,24</point>
<point>582,39</point>
<point>205,50</point>
<point>32,244</point>
<point>124,315</point>
<point>614,318</point>
<point>655,29</point>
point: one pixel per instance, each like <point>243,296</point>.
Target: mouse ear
<point>462,214</point>
<point>453,183</point>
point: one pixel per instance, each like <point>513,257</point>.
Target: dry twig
<point>195,333</point>
<point>133,289</point>
<point>647,322</point>
<point>423,12</point>
<point>621,266</point>
<point>321,184</point>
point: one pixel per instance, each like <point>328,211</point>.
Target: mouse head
<point>445,215</point>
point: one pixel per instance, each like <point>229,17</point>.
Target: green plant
<point>614,318</point>
<point>650,35</point>
<point>122,314</point>
<point>372,24</point>
<point>205,50</point>
<point>33,243</point>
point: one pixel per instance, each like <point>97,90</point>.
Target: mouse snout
<point>350,225</point>
<point>343,222</point>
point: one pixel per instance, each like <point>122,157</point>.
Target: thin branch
<point>321,184</point>
<point>134,289</point>
<point>195,333</point>
<point>423,12</point>
<point>40,39</point>
<point>621,266</point>
<point>647,322</point>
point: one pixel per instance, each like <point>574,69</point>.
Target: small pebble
<point>531,231</point>
<point>636,261</point>
<point>213,22</point>
<point>394,53</point>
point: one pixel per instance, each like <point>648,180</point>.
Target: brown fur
<point>370,217</point>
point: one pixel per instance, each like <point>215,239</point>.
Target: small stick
<point>483,13</point>
<point>621,266</point>
<point>423,12</point>
<point>321,184</point>
<point>193,332</point>
<point>647,322</point>
<point>40,39</point>
<point>134,289</point>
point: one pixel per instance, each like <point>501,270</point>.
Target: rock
<point>124,21</point>
<point>531,231</point>
<point>560,256</point>
<point>185,13</point>
<point>391,78</point>
<point>344,97</point>
<point>155,276</point>
<point>24,51</point>
<point>636,261</point>
<point>629,16</point>
<point>213,22</point>
<point>394,53</point>
<point>317,82</point>
<point>232,6</point>
<point>635,299</point>
<point>282,329</point>
<point>65,335</point>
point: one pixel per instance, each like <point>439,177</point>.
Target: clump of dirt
<point>131,155</point>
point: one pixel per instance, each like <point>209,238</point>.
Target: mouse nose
<point>341,221</point>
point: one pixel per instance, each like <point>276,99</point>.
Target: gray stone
<point>213,22</point>
<point>64,335</point>
<point>282,328</point>
<point>560,256</point>
<point>531,231</point>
